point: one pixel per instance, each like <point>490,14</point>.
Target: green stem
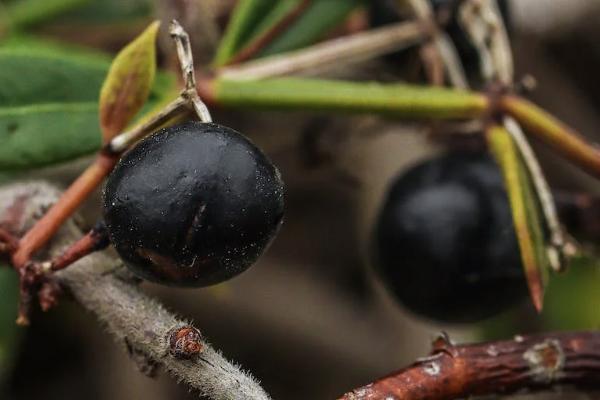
<point>553,132</point>
<point>361,97</point>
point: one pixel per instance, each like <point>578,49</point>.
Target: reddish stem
<point>96,239</point>
<point>553,132</point>
<point>533,363</point>
<point>47,226</point>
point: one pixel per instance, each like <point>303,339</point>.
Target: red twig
<point>47,226</point>
<point>36,277</point>
<point>96,239</point>
<point>533,363</point>
<point>268,36</point>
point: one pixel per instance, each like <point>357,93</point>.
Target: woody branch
<point>533,364</point>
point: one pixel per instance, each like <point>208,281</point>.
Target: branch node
<point>546,360</point>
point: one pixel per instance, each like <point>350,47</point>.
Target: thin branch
<point>132,317</point>
<point>331,54</point>
<point>123,141</point>
<point>535,363</point>
<point>95,240</point>
<point>45,228</point>
<point>186,62</point>
<point>397,100</point>
<point>553,132</point>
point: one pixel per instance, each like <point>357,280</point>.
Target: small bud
<point>185,342</point>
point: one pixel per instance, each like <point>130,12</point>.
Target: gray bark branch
<point>126,312</point>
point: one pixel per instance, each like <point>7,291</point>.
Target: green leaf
<point>285,25</point>
<point>321,17</point>
<point>279,17</point>
<point>49,102</point>
<point>23,14</point>
<point>43,134</point>
<point>9,333</point>
<point>34,76</point>
<point>525,212</point>
<point>128,83</point>
<point>322,95</point>
<point>244,19</point>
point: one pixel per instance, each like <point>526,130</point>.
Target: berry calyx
<point>193,205</point>
<point>445,242</point>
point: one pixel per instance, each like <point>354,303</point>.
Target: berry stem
<point>96,239</point>
<point>547,128</point>
<point>47,226</point>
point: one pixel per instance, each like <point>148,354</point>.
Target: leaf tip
<point>536,291</point>
<point>128,83</point>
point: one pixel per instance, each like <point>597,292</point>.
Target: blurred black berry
<point>445,243</point>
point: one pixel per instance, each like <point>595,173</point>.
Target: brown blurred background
<point>310,320</point>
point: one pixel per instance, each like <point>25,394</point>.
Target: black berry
<point>193,205</point>
<point>445,243</point>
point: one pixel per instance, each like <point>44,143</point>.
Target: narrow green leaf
<point>321,17</point>
<point>244,19</point>
<point>525,212</point>
<point>128,83</point>
<point>43,134</point>
<point>28,77</point>
<point>329,95</point>
<point>23,14</point>
<point>49,102</point>
<point>279,18</point>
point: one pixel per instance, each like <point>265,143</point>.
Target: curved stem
<point>47,226</point>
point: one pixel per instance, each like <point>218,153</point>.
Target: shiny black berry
<point>444,240</point>
<point>193,205</point>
